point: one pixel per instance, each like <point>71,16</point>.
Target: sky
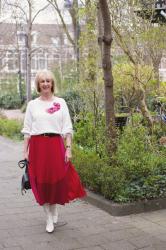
<point>52,17</point>
<point>47,16</point>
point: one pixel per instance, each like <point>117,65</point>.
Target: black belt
<point>49,134</point>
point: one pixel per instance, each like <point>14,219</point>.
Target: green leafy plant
<point>11,128</point>
<point>10,101</point>
<point>88,164</point>
<point>138,171</point>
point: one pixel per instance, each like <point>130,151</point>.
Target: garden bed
<point>117,209</point>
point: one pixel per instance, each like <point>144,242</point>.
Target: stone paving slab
<point>22,221</point>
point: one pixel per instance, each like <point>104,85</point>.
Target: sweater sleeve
<point>27,121</point>
<point>67,127</point>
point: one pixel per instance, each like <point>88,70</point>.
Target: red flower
<point>56,107</point>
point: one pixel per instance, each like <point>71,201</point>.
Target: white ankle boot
<point>54,213</point>
<point>49,221</point>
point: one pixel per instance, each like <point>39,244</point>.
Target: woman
<point>47,127</point>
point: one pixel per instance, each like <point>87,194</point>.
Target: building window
<point>41,63</point>
<point>22,36</point>
<point>55,41</point>
<point>41,60</point>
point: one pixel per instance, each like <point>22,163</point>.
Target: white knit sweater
<point>47,117</point>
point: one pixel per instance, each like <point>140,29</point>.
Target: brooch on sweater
<point>54,108</point>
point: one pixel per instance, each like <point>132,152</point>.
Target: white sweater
<point>47,117</point>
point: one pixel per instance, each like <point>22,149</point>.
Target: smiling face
<point>45,83</point>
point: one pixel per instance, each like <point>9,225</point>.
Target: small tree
<point>127,28</point>
<point>90,85</point>
<point>27,18</point>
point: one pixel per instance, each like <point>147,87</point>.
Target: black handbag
<point>25,182</point>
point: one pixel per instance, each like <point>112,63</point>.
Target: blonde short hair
<point>44,74</point>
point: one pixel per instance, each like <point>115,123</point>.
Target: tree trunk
<point>19,69</point>
<point>74,16</point>
<point>100,31</point>
<point>74,13</point>
<point>108,78</point>
<point>28,48</point>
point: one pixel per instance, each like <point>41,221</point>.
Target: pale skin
<point>46,94</point>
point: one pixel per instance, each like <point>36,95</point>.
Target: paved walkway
<point>13,114</point>
<point>22,221</point>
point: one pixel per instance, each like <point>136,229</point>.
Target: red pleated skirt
<point>52,180</point>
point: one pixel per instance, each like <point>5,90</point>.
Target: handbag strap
<point>23,163</point>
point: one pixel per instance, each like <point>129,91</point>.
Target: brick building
<point>50,48</point>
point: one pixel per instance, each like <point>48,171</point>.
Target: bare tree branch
<point>56,7</point>
<point>18,7</point>
<point>122,44</point>
<point>45,7</point>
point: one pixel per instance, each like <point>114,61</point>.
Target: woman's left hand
<point>68,155</point>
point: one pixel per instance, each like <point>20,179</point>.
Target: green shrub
<point>90,133</point>
<point>88,165</point>
<point>142,164</point>
<point>134,152</point>
<point>138,172</point>
<point>10,128</point>
<point>96,174</point>
<point>84,131</point>
<point>112,180</point>
<point>10,101</point>
<point>74,102</point>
